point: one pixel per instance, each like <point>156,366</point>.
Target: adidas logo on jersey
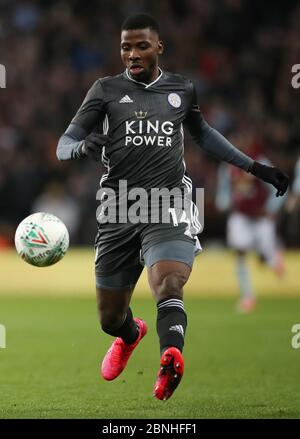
<point>125,100</point>
<point>178,328</point>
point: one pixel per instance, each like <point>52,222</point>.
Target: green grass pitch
<point>237,366</point>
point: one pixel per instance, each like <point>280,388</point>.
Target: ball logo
<point>174,100</point>
<point>35,237</point>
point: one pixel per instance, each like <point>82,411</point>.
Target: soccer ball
<point>42,239</point>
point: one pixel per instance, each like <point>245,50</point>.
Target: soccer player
<point>143,111</point>
<point>294,196</point>
<point>251,223</point>
<point>296,181</point>
<point>292,206</point>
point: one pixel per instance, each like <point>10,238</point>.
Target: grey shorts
<point>122,250</point>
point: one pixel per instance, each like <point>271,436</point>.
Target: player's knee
<point>171,283</point>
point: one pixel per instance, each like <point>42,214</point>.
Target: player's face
<point>139,52</point>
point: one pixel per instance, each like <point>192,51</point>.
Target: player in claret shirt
<point>251,225</point>
<point>143,111</point>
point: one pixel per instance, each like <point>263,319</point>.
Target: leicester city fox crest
<point>174,100</point>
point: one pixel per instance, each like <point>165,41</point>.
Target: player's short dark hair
<point>140,21</point>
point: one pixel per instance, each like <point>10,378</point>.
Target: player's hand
<point>271,175</point>
<point>93,144</point>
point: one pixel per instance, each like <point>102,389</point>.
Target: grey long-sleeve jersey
<point>145,124</point>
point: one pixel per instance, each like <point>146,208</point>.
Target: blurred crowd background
<point>238,52</point>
